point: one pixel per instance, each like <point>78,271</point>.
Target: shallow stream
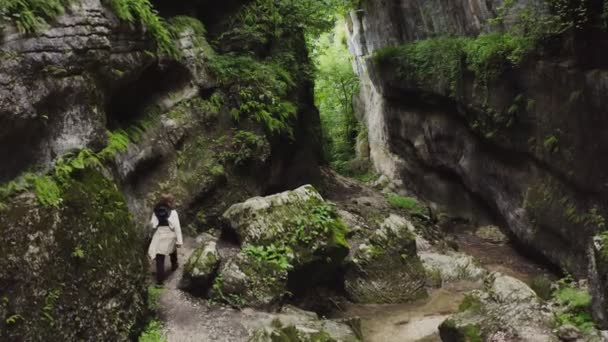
<point>419,321</point>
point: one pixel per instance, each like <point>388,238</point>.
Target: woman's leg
<point>160,268</point>
<point>174,263</point>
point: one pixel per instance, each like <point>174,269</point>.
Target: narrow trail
<point>187,318</point>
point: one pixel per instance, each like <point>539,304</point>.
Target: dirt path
<point>190,319</point>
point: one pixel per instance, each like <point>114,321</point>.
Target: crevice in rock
<point>128,103</point>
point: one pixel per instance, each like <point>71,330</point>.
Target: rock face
<point>74,271</point>
<point>91,85</point>
<point>541,173</point>
<point>51,101</point>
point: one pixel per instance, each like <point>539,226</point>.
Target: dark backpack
<point>162,213</point>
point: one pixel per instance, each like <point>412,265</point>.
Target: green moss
<point>551,144</point>
<point>443,59</point>
<point>154,294</point>
<point>153,333</point>
<point>470,303</point>
<point>410,204</point>
<point>472,333</point>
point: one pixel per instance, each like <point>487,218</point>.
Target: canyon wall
<point>529,146</point>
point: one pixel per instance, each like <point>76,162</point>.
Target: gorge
<point>374,170</point>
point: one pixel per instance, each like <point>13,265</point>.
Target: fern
<point>31,15</point>
<point>142,12</point>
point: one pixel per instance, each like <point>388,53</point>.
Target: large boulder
<point>385,267</point>
<point>299,221</point>
<point>293,232</point>
<point>74,271</point>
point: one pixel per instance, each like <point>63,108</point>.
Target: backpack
<point>162,213</point>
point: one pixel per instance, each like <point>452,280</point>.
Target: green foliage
<point>470,303</point>
<point>13,319</point>
<point>143,13</point>
<point>490,54</point>
<point>262,21</point>
<point>410,204</point>
<point>257,90</point>
<point>49,306</point>
<point>31,15</point>
<point>271,254</point>
<point>321,221</point>
<point>472,333</point>
<point>154,293</point>
<point>153,333</point>
<point>78,253</point>
<point>247,146</point>
<point>47,191</point>
<point>118,142</point>
<point>335,88</point>
<point>575,303</point>
<point>181,23</point>
<point>551,144</point>
<point>425,60</point>
<point>442,59</point>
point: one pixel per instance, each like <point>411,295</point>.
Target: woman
<point>168,235</point>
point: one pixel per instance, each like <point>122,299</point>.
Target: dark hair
<point>167,200</point>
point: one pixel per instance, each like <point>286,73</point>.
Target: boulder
<point>450,267</point>
<point>296,325</point>
<point>293,232</point>
<point>298,219</point>
<point>202,265</point>
<point>385,268</point>
<point>491,234</point>
<point>505,308</point>
<point>248,280</point>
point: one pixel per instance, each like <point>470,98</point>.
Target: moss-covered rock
<point>506,308</point>
<point>202,265</point>
<point>299,221</point>
<point>71,272</point>
<point>385,268</point>
<point>291,231</point>
<point>247,280</point>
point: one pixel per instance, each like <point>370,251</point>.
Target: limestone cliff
<point>528,141</point>
<point>96,121</point>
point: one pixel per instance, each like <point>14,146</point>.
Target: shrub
<point>31,15</point>
<point>258,90</point>
<point>576,305</point>
<point>143,13</point>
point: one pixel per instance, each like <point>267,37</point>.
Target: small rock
<point>568,332</point>
<point>491,234</point>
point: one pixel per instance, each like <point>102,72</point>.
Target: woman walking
<point>168,235</point>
